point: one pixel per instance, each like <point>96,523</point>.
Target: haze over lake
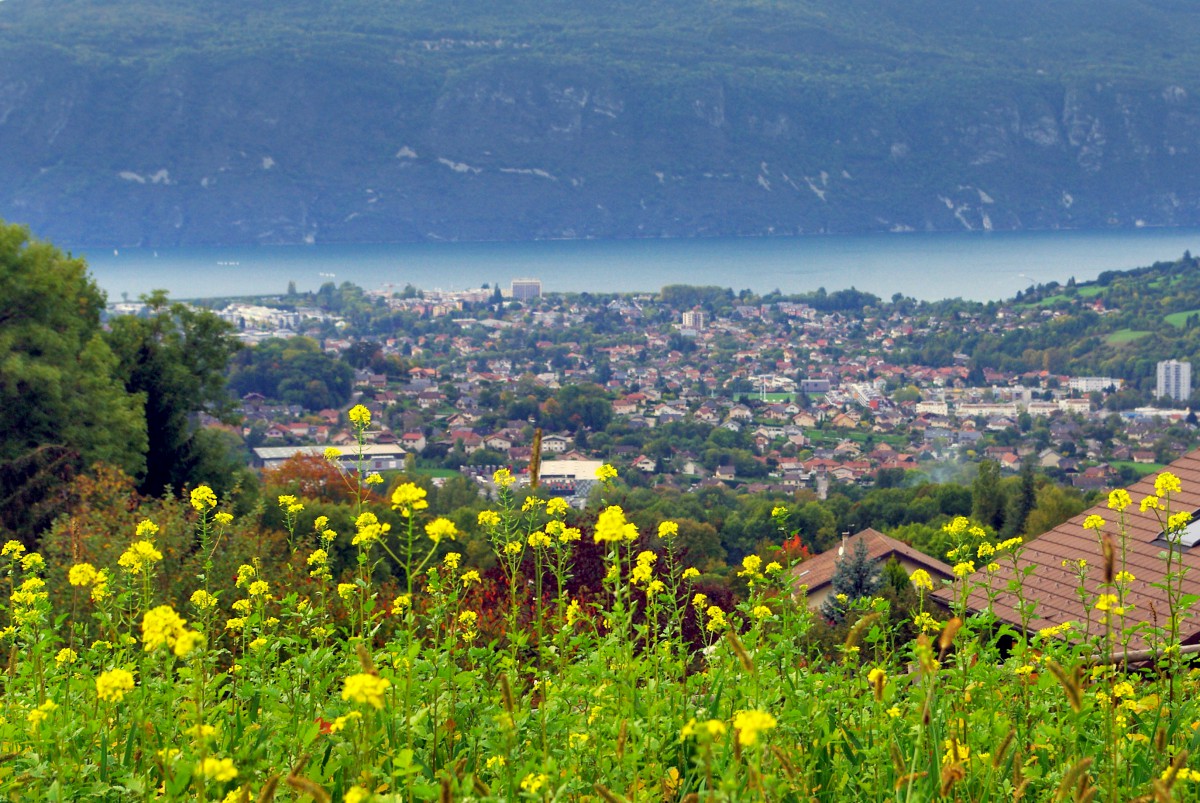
<point>974,266</point>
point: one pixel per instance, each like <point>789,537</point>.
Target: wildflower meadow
<point>283,679</point>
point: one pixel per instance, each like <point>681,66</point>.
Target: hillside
<point>164,123</point>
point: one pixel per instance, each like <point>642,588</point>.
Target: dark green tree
<point>64,407</point>
<point>855,576</point>
<point>987,498</point>
<point>1022,502</point>
<point>175,358</point>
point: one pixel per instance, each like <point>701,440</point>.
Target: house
<point>555,444</point>
<point>816,573</point>
<point>1052,585</point>
<point>413,441</point>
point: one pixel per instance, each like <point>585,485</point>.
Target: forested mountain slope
<point>160,123</point>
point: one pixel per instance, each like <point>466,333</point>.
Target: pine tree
<point>855,576</point>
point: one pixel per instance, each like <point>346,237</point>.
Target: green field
<point>1141,468</point>
<point>1179,319</point>
<point>1122,336</point>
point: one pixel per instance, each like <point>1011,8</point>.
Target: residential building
<point>1174,380</point>
<point>525,289</point>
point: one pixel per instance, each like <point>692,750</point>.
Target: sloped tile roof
<point>817,571</point>
<point>1055,588</point>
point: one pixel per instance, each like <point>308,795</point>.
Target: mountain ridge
<point>135,123</point>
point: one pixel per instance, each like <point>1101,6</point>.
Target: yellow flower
<point>187,641</point>
<point>243,606</point>
<point>573,612</point>
<point>668,529</point>
<point>878,679</point>
<point>161,626</point>
<point>1093,522</point>
<point>716,619</point>
<point>699,601</point>
<point>986,550</point>
<point>258,643</point>
<point>712,728</point>
<point>557,506</point>
<point>690,573</point>
<point>893,712</point>
<point>502,478</point>
<point>577,739</point>
<point>925,622</point>
<point>761,612</point>
<point>1150,503</point>
<point>203,498</point>
<point>374,478</point>
<point>606,473</point>
<point>1105,601</point>
<point>346,590</point>
<point>655,587</point>
<point>340,723</point>
<point>65,656</point>
<point>33,562</point>
<point>360,416</point>
<point>368,528</point>
<point>921,579</point>
<point>773,567</point>
<point>140,556</point>
<point>612,526</point>
<point>223,518</point>
<point>489,518</point>
<point>495,762</point>
<point>146,529</point>
<point>200,731</point>
<point>39,715</point>
<point>13,549</point>
<point>750,566</point>
<point>749,724</point>
<point>245,574</point>
<point>514,547</point>
<point>533,782</point>
<point>408,498</point>
<point>1119,499</point>
<point>964,568</point>
<point>778,511</point>
<point>470,577</point>
<point>440,528</point>
<point>1166,483</point>
<point>530,503</point>
<point>82,574</point>
<point>219,769</point>
<point>1177,521</point>
<point>539,539</point>
<point>112,685</point>
<point>569,534</point>
<point>333,454</point>
<point>356,794</point>
<point>1124,577</point>
<point>365,689</point>
<point>467,622</point>
<point>401,604</point>
<point>451,560</point>
<point>235,623</point>
<point>259,588</point>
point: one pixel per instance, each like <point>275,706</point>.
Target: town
<point>697,386</point>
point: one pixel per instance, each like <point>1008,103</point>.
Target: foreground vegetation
<point>277,679</point>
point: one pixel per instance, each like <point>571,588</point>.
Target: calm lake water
<point>927,266</point>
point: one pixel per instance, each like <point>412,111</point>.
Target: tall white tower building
<point>1174,380</point>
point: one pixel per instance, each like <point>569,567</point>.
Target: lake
<point>978,266</point>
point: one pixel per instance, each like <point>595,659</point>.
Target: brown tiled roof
<point>1054,587</point>
<point>817,571</point>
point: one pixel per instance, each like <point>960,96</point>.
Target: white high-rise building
<point>1174,380</point>
<point>525,289</point>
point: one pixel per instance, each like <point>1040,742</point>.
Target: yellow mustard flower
<point>365,689</point>
<point>1119,499</point>
<point>203,498</point>
<point>440,528</point>
<point>111,686</point>
<point>139,557</point>
<point>606,473</point>
<point>1166,483</point>
<point>668,529</point>
<point>488,518</point>
<point>611,526</point>
<point>749,724</point>
<point>502,478</point>
<point>82,574</point>
<point>359,416</point>
<point>219,769</point>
